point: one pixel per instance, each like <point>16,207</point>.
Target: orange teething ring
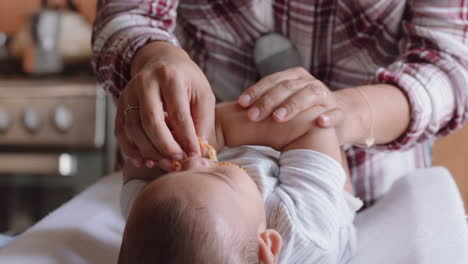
<point>211,153</point>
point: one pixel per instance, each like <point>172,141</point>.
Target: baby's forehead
<point>190,185</point>
<point>217,204</point>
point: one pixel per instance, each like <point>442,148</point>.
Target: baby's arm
<point>322,140</point>
<point>235,129</point>
<point>311,182</point>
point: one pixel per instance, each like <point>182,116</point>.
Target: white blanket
<point>421,220</point>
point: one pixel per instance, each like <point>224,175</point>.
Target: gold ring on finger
<point>128,108</point>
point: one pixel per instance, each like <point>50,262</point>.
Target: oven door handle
<point>38,164</point>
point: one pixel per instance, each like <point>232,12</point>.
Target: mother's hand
<point>288,93</point>
<point>165,106</point>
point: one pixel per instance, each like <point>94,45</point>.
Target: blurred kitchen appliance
<point>54,42</point>
<point>3,45</point>
<point>45,29</point>
<point>51,113</point>
<point>52,145</point>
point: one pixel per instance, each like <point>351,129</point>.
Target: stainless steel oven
<point>53,144</point>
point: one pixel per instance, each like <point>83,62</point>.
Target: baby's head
<point>205,213</point>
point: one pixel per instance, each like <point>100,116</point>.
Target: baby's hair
<point>174,232</point>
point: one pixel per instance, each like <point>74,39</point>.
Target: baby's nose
<point>196,163</point>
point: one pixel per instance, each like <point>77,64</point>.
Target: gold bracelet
<point>370,141</point>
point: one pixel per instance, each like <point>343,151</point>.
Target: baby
<point>289,205</point>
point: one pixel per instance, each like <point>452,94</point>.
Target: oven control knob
<point>63,118</point>
<point>32,120</point>
<point>5,120</point>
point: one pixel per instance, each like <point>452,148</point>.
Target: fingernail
<point>165,164</point>
<point>193,155</point>
<point>150,164</point>
<point>325,120</point>
<point>254,113</point>
<point>137,163</point>
<point>244,100</point>
<point>178,157</point>
<point>280,113</point>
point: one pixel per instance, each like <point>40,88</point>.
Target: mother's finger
<point>310,95</point>
<point>252,94</point>
<point>153,121</point>
<point>331,118</point>
<point>177,105</point>
<point>129,149</point>
<point>136,134</point>
<point>270,100</point>
<point>203,112</point>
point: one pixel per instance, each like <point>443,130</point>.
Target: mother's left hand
<point>288,93</point>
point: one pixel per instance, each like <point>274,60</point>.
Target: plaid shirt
<point>419,46</point>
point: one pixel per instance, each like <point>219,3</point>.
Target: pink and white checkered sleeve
<point>122,27</point>
<point>432,69</point>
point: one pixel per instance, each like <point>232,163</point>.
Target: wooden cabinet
<point>452,152</point>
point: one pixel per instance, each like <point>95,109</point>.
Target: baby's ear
<point>269,246</point>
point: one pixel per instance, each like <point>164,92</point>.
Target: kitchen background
<point>56,123</point>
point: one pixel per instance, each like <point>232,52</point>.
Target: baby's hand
<point>287,94</point>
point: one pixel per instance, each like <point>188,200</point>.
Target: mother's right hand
<point>165,106</point>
